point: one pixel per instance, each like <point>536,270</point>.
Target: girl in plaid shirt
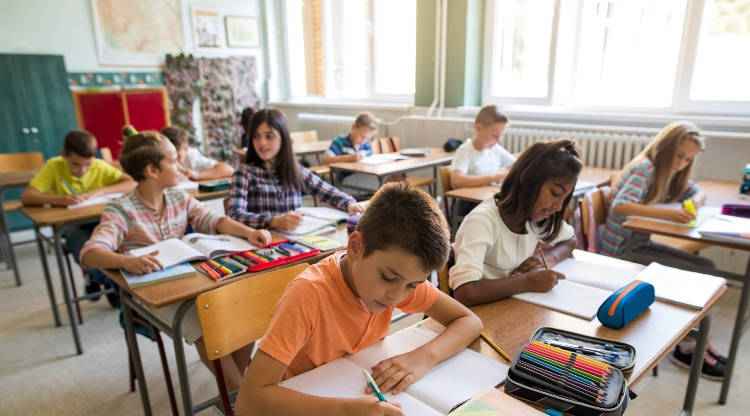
<point>151,213</point>
<point>268,187</point>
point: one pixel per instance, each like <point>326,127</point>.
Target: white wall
<point>66,27</point>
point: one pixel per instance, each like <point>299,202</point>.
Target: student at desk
<point>479,159</point>
<point>344,303</point>
<point>71,178</point>
<point>268,187</point>
<point>154,212</point>
<point>496,242</point>
<point>194,166</point>
<point>661,173</point>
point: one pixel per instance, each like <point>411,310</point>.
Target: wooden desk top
<point>437,156</point>
<point>311,147</point>
<point>163,294</point>
<point>18,178</point>
<point>717,193</point>
<point>599,176</point>
<point>510,323</point>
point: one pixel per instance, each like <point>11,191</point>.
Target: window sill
<point>329,103</point>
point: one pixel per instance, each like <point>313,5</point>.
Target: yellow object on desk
<point>493,345</point>
<point>690,206</point>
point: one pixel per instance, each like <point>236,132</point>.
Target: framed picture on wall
<point>206,27</point>
<point>242,32</point>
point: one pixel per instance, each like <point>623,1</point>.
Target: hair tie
<point>133,132</point>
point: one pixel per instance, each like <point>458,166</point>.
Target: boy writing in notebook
<point>71,178</point>
<point>344,304</point>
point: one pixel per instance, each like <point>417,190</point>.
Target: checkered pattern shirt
<point>257,195</point>
<point>129,222</point>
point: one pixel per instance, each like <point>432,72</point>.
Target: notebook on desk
<point>450,382</point>
<point>681,287</point>
<point>705,213</point>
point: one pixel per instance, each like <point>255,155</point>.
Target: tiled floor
<point>41,374</point>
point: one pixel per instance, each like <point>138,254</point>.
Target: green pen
<point>67,185</point>
<point>373,386</point>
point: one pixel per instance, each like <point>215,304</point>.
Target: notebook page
<point>705,213</point>
<point>186,185</point>
<point>97,200</point>
<point>681,287</point>
<point>216,245</point>
<point>323,213</point>
<point>569,297</point>
<point>171,251</point>
<point>342,378</point>
<point>595,275</point>
<point>369,160</point>
<point>308,225</point>
<point>401,342</point>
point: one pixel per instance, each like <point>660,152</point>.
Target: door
<point>102,114</point>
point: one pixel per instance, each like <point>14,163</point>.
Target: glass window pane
<point>296,48</point>
<point>348,66</point>
<point>723,60</point>
<point>628,52</point>
<point>523,34</point>
<point>395,46</point>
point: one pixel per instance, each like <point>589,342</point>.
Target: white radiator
<point>327,126</point>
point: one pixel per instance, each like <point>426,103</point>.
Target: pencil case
<point>273,255</point>
<point>736,210</point>
<point>351,223</point>
<point>217,185</point>
<point>626,304</point>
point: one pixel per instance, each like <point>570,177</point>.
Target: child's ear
<point>150,171</point>
<point>354,245</point>
<point>62,153</point>
<point>478,128</point>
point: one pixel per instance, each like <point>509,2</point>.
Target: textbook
<point>194,246</point>
<point>705,213</point>
<point>320,243</point>
<point>317,220</point>
<point>726,228</point>
<point>585,287</point>
<point>681,287</point>
<point>169,273</point>
<point>97,200</point>
<point>447,384</point>
<point>493,402</point>
<point>186,185</point>
<point>381,158</point>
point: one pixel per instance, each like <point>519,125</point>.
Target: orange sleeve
<point>293,322</point>
<point>421,299</point>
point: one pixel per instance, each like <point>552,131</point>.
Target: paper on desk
<point>705,213</point>
<point>186,185</point>
<point>97,200</point>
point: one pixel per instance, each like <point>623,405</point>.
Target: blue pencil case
<point>626,304</point>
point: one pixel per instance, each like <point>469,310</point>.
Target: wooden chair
<point>443,280</point>
<point>307,137</point>
<point>445,182</point>
<point>393,145</point>
<point>106,155</point>
<point>238,314</point>
<point>14,162</point>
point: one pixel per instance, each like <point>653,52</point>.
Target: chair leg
<point>165,368</point>
<point>73,288</point>
<point>222,388</point>
<point>132,370</point>
<point>447,212</point>
<point>656,370</point>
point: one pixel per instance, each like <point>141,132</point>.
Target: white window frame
<point>561,81</point>
<point>329,95</point>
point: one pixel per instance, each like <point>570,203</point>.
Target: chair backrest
<point>12,162</point>
<point>235,315</point>
<point>106,155</point>
<point>599,207</point>
<point>304,136</point>
<point>443,280</point>
<point>445,179</point>
<point>386,145</point>
<point>613,179</point>
<point>226,205</point>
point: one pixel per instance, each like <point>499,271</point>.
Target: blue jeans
<point>75,239</point>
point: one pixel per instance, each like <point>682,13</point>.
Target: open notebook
<point>681,287</point>
<point>194,246</point>
<point>704,214</point>
<point>585,287</point>
<point>726,228</point>
<point>317,220</point>
<point>97,200</point>
<point>447,384</point>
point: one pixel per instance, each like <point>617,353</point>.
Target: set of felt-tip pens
<point>222,268</point>
<point>274,255</point>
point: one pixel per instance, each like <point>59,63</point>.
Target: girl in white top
<point>496,243</point>
<point>194,166</point>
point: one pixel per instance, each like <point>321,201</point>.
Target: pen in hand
<point>373,386</point>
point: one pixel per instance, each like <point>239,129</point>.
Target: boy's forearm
<point>37,198</point>
<point>456,336</point>
<point>229,226</point>
<point>124,186</point>
<point>221,170</point>
<point>467,181</point>
<point>327,160</point>
<point>100,258</point>
<point>276,400</point>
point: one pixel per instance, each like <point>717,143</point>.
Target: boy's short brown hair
<point>407,218</point>
<point>489,115</point>
<point>144,149</point>
<point>176,135</point>
<point>366,119</point>
<point>81,143</point>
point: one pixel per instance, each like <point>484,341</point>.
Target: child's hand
<point>399,371</point>
<point>369,407</point>
<point>182,177</point>
<point>259,237</point>
<point>143,264</point>
<point>190,174</point>
<point>355,209</point>
<point>529,264</point>
<point>286,222</point>
<point>542,280</point>
<point>358,156</point>
<point>679,215</point>
<point>91,194</point>
<point>66,200</point>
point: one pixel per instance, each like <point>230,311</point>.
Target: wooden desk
<point>64,219</point>
<point>7,181</point>
<point>437,157</point>
<point>183,290</point>
<point>308,148</point>
<point>718,193</point>
<point>510,323</point>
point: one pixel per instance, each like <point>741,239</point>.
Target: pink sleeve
<point>201,217</point>
<point>110,233</point>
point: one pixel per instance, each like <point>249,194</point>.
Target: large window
<point>352,49</point>
<point>639,55</point>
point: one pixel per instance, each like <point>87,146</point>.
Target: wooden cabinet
<point>104,112</point>
<point>35,110</point>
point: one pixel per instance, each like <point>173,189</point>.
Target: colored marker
<point>565,360</point>
<point>373,386</point>
<point>69,188</point>
<point>228,265</point>
<point>573,370</point>
<point>253,256</point>
<point>220,267</point>
<point>210,272</point>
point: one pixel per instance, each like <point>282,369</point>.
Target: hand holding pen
<point>381,407</point>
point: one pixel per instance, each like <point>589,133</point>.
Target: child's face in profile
<point>267,143</point>
<point>385,278</point>
<point>686,152</point>
<point>182,154</point>
<point>168,174</point>
<point>360,135</point>
<point>551,198</point>
<point>489,136</point>
<point>78,164</point>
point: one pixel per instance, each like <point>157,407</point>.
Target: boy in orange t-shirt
<point>344,304</point>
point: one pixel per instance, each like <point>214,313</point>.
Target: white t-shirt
<point>195,161</point>
<point>486,247</point>
<point>486,162</point>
